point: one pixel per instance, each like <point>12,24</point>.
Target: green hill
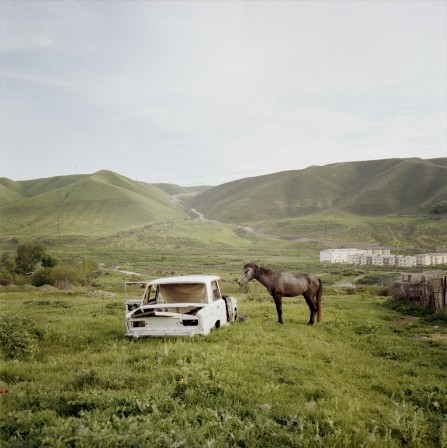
<point>173,189</point>
<point>352,201</point>
<point>372,188</point>
<point>103,202</point>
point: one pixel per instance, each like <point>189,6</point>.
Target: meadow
<point>372,374</point>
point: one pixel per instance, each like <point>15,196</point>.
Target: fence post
<point>444,287</point>
<point>437,293</point>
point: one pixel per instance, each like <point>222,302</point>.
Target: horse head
<point>248,273</point>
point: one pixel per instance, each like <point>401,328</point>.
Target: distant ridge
<point>106,202</point>
<point>379,187</point>
<point>98,203</point>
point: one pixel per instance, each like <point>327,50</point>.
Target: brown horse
<point>282,284</point>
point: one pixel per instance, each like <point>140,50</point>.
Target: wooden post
<point>444,287</point>
<point>437,293</point>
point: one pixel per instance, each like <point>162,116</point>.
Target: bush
<point>439,209</point>
<point>7,263</point>
<point>19,337</point>
<point>66,274</point>
<point>42,277</point>
<point>49,261</point>
<point>370,280</point>
<point>4,281</point>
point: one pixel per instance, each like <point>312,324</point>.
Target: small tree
<point>28,255</point>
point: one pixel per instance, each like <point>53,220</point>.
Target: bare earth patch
<point>439,337</point>
<point>405,320</point>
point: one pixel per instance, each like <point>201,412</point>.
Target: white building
<point>431,259</point>
<point>380,257</point>
<point>350,255</point>
<point>376,260</point>
<point>405,261</point>
<point>423,260</point>
<point>354,258</point>
<point>336,255</point>
<point>438,258</point>
<point>391,260</point>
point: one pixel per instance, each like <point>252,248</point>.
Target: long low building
<point>380,257</point>
<point>342,255</point>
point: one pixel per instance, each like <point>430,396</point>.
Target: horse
<point>283,284</point>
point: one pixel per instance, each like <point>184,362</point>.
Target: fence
<point>429,292</point>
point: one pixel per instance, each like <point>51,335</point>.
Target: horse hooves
<point>310,324</point>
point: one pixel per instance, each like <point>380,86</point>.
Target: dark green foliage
<point>439,209</point>
<point>7,263</point>
<point>19,337</point>
<point>65,274</point>
<point>370,280</point>
<point>28,255</point>
<point>49,261</point>
<point>42,277</point>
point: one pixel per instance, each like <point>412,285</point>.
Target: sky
<point>207,92</point>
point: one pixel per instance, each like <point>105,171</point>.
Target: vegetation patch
<point>19,337</point>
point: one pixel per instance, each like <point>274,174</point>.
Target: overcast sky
<point>205,92</point>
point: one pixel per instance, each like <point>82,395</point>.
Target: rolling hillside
<point>372,188</point>
<point>355,201</point>
<point>81,204</point>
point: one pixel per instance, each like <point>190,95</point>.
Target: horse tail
<point>319,296</point>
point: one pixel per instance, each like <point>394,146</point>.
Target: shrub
<point>66,274</point>
<point>42,277</point>
<point>49,261</point>
<point>19,337</point>
<point>7,263</point>
<point>439,209</point>
<point>370,280</point>
<point>4,281</point>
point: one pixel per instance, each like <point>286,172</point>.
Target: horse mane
<point>258,269</point>
<point>253,266</point>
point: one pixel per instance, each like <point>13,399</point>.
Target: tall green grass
<point>361,378</point>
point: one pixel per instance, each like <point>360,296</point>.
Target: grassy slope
<point>368,188</point>
<point>173,189</point>
<point>9,192</point>
<point>98,203</point>
<point>423,232</point>
<point>324,203</point>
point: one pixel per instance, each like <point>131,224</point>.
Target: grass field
<point>372,374</point>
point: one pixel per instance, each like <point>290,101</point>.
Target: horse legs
<point>312,307</point>
<point>278,302</point>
